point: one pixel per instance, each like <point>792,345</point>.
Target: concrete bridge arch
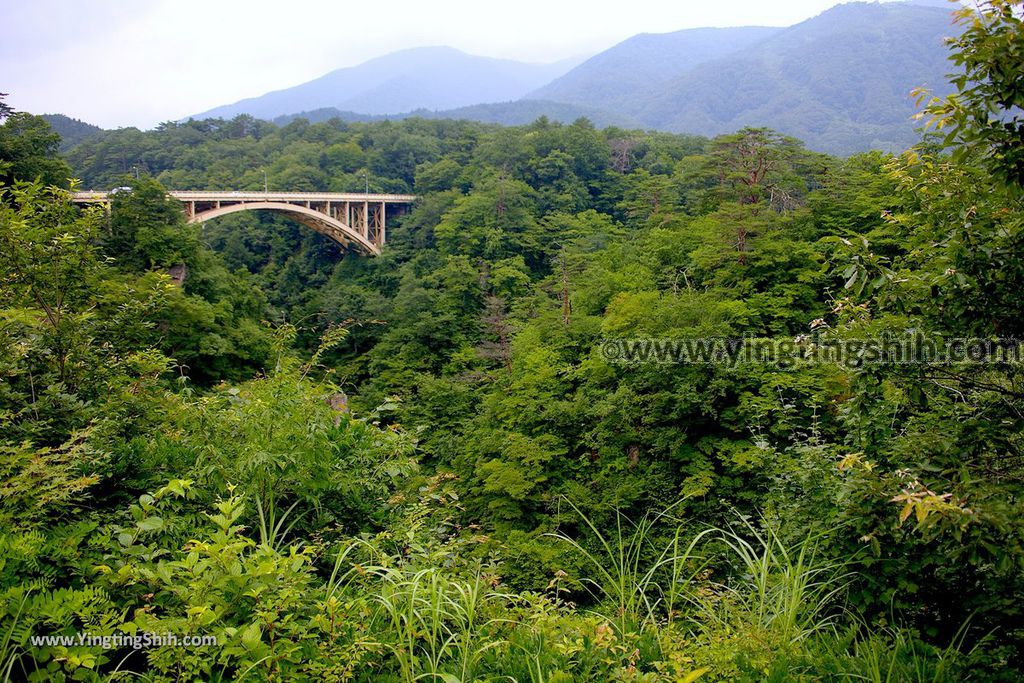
<point>311,218</point>
<point>356,221</point>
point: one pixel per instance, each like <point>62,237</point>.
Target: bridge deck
<point>226,196</point>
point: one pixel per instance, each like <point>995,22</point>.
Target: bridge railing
<point>242,196</point>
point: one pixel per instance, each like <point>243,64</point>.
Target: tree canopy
<point>504,449</point>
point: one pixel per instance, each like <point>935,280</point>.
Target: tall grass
<point>271,526</point>
<point>894,655</point>
<point>435,625</point>
<point>13,636</point>
<point>641,579</point>
<point>434,622</point>
<point>789,590</point>
<point>783,601</point>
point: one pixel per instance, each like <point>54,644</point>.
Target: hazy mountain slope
<point>326,114</point>
<point>515,113</point>
<point>526,111</point>
<point>429,78</point>
<point>71,131</point>
<point>840,81</point>
<point>621,78</point>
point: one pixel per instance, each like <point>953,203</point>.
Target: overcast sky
<point>136,63</point>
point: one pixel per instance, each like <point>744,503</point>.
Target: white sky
<point>136,63</point>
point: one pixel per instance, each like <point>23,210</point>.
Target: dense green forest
<point>433,465</point>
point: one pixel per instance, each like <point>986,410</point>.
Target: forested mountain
<point>71,131</point>
<point>431,78</point>
<point>611,405</point>
<point>624,77</point>
<point>840,81</point>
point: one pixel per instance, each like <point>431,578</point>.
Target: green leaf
<point>251,636</point>
<point>151,524</point>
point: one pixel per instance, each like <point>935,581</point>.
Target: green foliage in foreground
<point>411,606</point>
<point>498,499</point>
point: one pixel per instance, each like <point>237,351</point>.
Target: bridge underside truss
<point>356,225</point>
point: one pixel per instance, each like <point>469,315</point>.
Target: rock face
<point>178,273</point>
<point>339,404</point>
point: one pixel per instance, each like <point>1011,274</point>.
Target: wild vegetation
<point>426,466</point>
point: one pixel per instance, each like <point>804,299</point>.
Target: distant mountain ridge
<point>433,78</point>
<point>71,131</point>
<point>638,66</point>
<point>839,81</point>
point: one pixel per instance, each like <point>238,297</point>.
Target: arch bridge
<point>356,221</point>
